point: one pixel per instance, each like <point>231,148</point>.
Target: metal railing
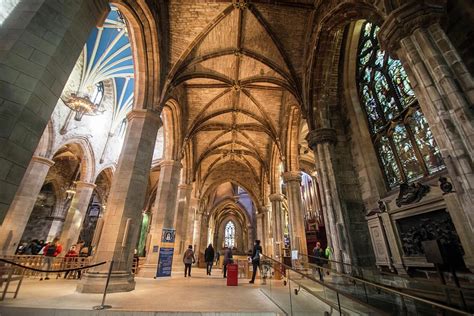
<point>378,295</point>
<point>447,293</point>
<point>302,293</point>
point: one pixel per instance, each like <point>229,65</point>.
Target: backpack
<point>51,250</point>
<point>189,254</point>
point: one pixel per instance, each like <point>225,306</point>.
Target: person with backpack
<point>209,258</point>
<point>228,258</point>
<point>257,251</point>
<point>51,251</point>
<point>188,260</point>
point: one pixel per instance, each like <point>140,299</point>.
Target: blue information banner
<point>165,262</point>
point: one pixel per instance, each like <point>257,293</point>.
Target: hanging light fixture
<point>85,102</point>
<point>71,191</point>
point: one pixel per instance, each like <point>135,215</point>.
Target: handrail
<point>327,286</point>
<point>447,286</point>
<point>388,289</point>
<point>329,260</point>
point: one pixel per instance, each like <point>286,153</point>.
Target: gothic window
<point>229,234</point>
<point>402,138</point>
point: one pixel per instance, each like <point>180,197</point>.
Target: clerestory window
<point>400,133</point>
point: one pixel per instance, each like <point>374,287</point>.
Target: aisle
<point>200,293</point>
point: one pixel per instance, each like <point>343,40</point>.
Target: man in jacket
<point>318,253</point>
<point>51,251</point>
<point>257,251</point>
<point>209,258</point>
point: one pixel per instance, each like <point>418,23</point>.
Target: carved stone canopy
<point>320,136</point>
<point>403,21</point>
<point>411,193</point>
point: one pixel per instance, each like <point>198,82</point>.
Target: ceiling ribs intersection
<point>235,92</point>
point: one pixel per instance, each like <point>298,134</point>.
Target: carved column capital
<point>185,186</point>
<point>292,176</point>
<point>320,136</point>
<point>170,163</point>
<point>403,21</point>
<point>142,113</point>
<point>276,197</point>
<point>42,160</point>
<point>82,184</point>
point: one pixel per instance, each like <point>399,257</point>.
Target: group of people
<point>52,250</point>
<point>34,247</point>
<point>321,257</point>
<point>211,256</point>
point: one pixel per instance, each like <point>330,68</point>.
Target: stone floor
<point>200,294</point>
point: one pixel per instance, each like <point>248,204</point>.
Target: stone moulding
<point>411,193</point>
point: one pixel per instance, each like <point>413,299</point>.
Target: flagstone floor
<point>201,293</point>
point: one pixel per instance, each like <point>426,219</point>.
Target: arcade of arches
<point>344,122</point>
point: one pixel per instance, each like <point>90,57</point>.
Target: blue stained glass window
<point>402,138</point>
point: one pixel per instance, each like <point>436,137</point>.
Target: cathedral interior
<point>342,123</point>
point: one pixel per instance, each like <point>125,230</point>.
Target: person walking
<point>209,258</point>
<point>51,251</point>
<point>188,260</point>
<point>256,252</point>
<point>319,255</point>
<point>218,257</point>
<point>227,259</point>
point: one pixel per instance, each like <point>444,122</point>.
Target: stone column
<point>202,244</point>
<point>445,91</point>
<point>31,89</point>
<point>322,141</point>
<point>124,206</point>
<point>182,215</point>
<point>164,212</point>
<point>277,218</point>
<point>297,232</point>
<point>20,210</point>
<point>75,215</point>
<point>197,231</point>
<point>192,216</point>
<point>261,229</point>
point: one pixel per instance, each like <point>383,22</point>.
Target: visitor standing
<point>51,251</point>
<point>227,259</point>
<point>188,260</point>
<point>328,255</point>
<point>319,255</point>
<point>209,258</point>
<point>70,260</point>
<point>257,251</point>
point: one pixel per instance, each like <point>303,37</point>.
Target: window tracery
<point>229,234</point>
<point>400,133</point>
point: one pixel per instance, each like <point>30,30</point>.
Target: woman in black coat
<point>209,258</point>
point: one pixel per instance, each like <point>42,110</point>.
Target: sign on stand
<point>165,262</point>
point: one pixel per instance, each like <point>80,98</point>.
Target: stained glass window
<point>402,138</point>
<point>229,234</point>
